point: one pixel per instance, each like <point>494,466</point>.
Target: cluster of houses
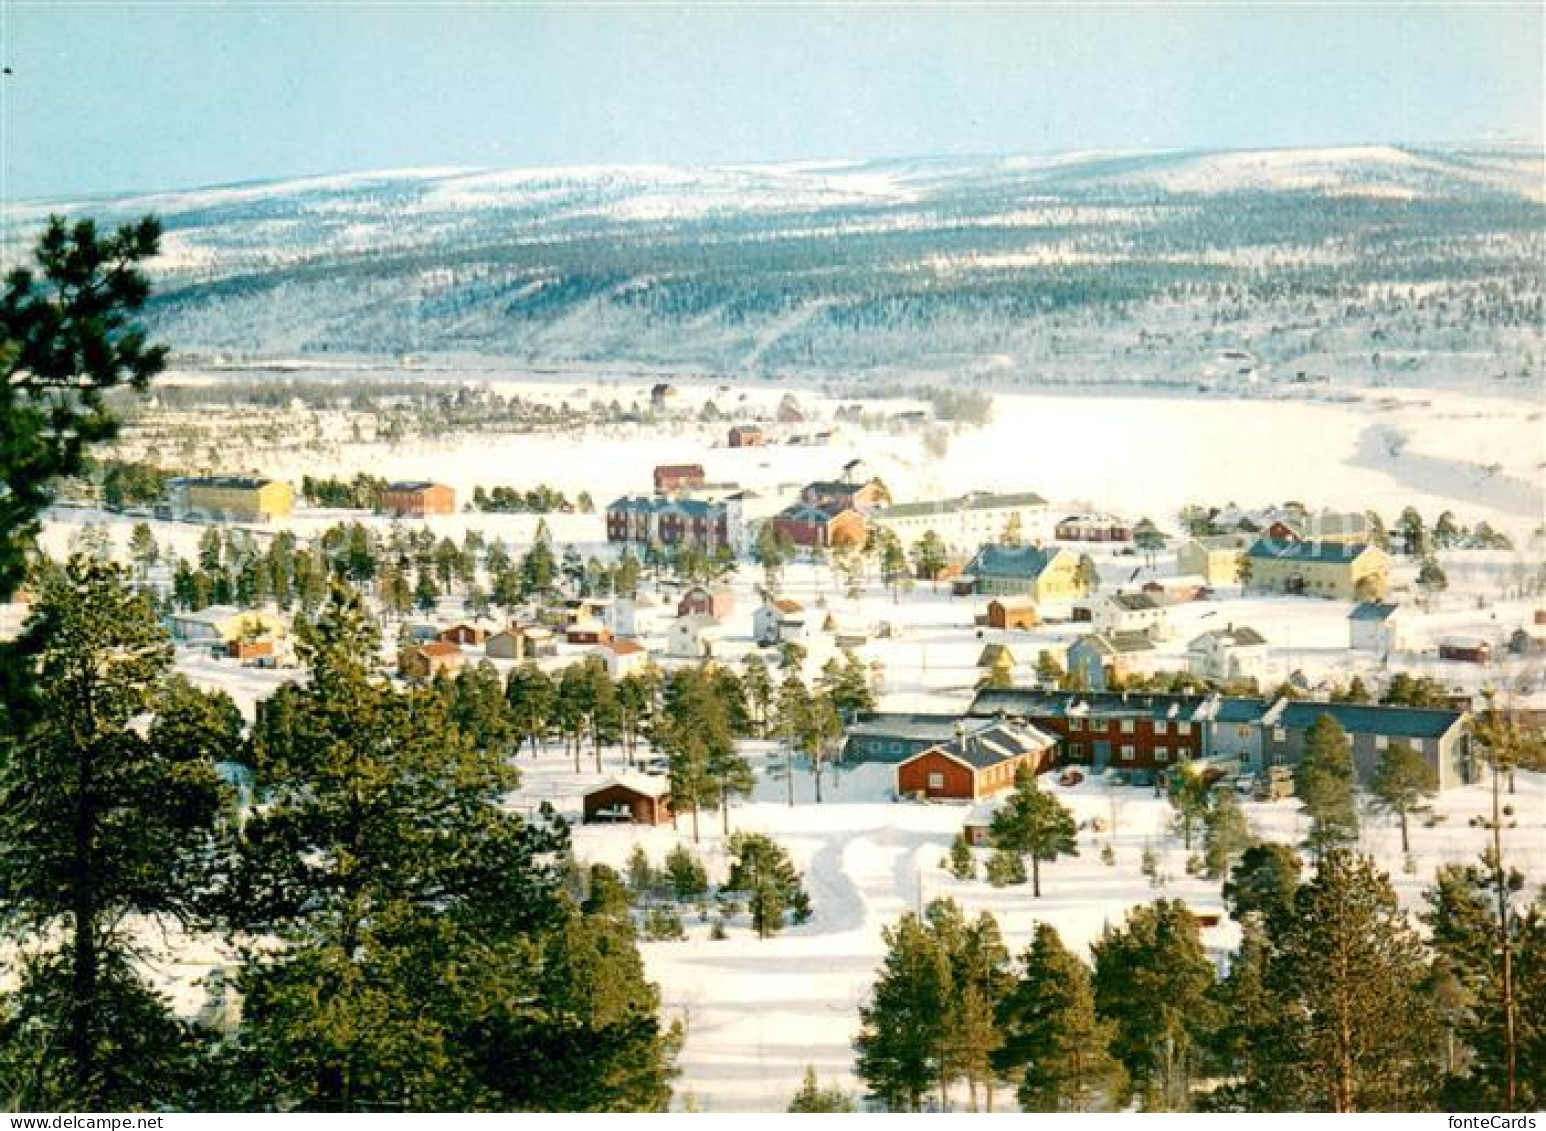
<point>975,755</point>
<point>833,513</point>
<point>256,499</point>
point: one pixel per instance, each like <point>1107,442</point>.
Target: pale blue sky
<point>117,96</point>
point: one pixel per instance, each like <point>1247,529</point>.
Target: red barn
<point>415,500</point>
<point>976,765</point>
<point>635,798</point>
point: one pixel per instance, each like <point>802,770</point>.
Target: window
<point>1127,726</point>
<point>1161,726</point>
<point>1162,753</point>
<point>1075,724</point>
<point>1127,753</point>
<point>1186,728</point>
<point>1279,734</point>
<point>1381,742</point>
<point>936,781</point>
<point>895,747</point>
<point>1241,731</point>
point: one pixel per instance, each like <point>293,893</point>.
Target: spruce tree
<point>1327,788</point>
<point>761,871</point>
<point>1264,882</point>
<point>1154,982</point>
<point>898,1045</point>
<point>1055,1046</point>
<point>1226,834</point>
<point>110,807</point>
<point>1036,824</point>
<point>963,865</point>
<point>1403,783</point>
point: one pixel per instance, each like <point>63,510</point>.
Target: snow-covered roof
<point>643,784</point>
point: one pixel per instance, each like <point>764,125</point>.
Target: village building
<point>813,527</point>
<point>424,662</point>
<point>747,436</point>
<point>1228,654</point>
<point>223,624</point>
<point>1215,558</point>
<point>1101,658</point>
<point>663,396</point>
<point>229,498</point>
<point>845,494</point>
<point>506,644</point>
<point>1180,589</point>
<point>966,522</point>
<point>876,736</point>
<point>623,658</point>
<point>635,798</point>
<point>780,621</point>
<point>1466,649</point>
<point>1044,575</point>
<point>1093,528</point>
<point>417,499</point>
<point>1380,627</point>
<point>1012,612</point>
<point>692,638</point>
<point>472,634</point>
<point>1351,571</point>
<point>671,522</point>
<point>586,632</point>
<point>1131,612</point>
<point>976,764</point>
<point>678,477</point>
<point>716,602</point>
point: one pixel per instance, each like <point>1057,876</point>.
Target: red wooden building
<point>976,765</point>
<point>415,500</point>
<point>747,436</point>
<point>679,476</point>
<point>700,600</point>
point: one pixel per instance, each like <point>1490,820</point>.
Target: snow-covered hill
<point>1046,266</point>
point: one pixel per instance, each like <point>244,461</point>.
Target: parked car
<point>1070,777</point>
<point>1144,779</point>
<point>1120,777</point>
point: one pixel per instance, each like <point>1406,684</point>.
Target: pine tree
<point>1189,796</point>
<point>530,699</point>
<point>963,865</point>
<point>686,874</point>
<point>1154,982</point>
<point>1403,783</point>
<point>1251,1049</point>
<point>929,556</point>
<point>1351,970</point>
<point>1226,834</point>
<point>102,819</point>
<point>1263,882</point>
<point>761,870</point>
<point>427,957</point>
<point>898,1044</point>
<point>67,338</point>
<point>813,1098</point>
<point>1035,824</point>
<point>1326,785</point>
<point>1055,1045</point>
<point>980,977</point>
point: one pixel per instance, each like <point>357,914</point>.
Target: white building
<point>1228,653</point>
<point>1132,612</point>
<point>965,523</point>
<point>693,637</point>
<point>780,621</point>
<point>1380,627</point>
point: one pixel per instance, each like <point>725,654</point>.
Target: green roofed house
<point>1045,574</point>
<point>1343,571</point>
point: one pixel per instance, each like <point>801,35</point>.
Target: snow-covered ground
<point>757,1012</point>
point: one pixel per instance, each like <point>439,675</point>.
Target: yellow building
<point>1215,559</point>
<point>1320,569</point>
<point>223,624</point>
<point>236,498</point>
<point>1031,571</point>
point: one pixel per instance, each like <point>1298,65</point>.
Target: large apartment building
<point>231,498</point>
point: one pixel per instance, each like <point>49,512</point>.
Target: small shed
<point>1465,649</point>
<point>1012,612</point>
<point>634,798</point>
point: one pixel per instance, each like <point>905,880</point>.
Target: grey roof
<point>1336,553</point>
<point>1213,542</point>
<point>992,745</point>
<point>975,501</point>
<point>924,727</point>
<point>1372,611</point>
<point>1026,562</point>
<point>412,485</point>
<point>1115,643</point>
<point>1242,637</point>
<point>1363,718</point>
<point>244,482</point>
<point>1138,602</point>
<point>1025,702</point>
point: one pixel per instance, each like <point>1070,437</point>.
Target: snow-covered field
<point>759,1012</point>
